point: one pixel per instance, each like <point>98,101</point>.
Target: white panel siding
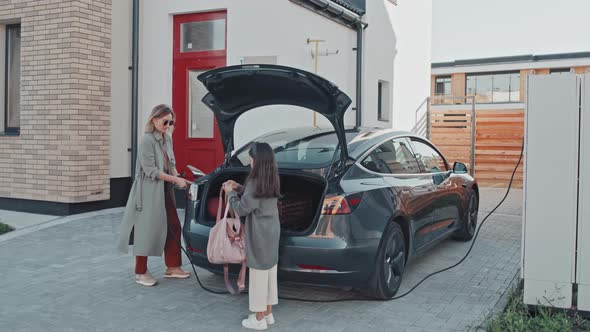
<point>121,89</point>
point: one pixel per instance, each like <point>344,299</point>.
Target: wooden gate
<point>491,143</point>
<point>498,140</point>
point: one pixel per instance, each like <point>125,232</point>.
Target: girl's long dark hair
<point>265,172</point>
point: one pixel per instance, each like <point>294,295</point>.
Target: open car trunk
<point>299,204</point>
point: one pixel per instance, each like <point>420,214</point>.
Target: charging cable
<point>373,299</point>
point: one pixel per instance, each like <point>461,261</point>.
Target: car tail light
<point>334,205</point>
<point>194,250</point>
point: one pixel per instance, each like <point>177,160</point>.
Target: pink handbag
<point>227,245</point>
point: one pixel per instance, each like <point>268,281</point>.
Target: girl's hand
<point>227,187</point>
<point>232,184</point>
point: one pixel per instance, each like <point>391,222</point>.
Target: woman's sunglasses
<point>168,122</point>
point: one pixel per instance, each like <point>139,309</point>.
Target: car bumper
<point>304,259</point>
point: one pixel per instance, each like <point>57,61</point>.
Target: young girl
<point>258,203</point>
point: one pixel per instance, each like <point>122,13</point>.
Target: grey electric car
<point>356,204</point>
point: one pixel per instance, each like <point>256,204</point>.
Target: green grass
<point>517,318</point>
<point>5,228</point>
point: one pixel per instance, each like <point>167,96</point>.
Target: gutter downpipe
<point>359,71</point>
<point>134,86</point>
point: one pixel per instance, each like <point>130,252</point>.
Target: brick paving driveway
<point>69,278</point>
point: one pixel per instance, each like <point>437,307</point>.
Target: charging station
<point>556,217</point>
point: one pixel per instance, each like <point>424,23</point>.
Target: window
<point>428,158</point>
<point>442,86</point>
<point>494,87</point>
<point>501,89</point>
<point>559,70</point>
<point>392,157</point>
<point>202,36</point>
<point>298,149</point>
<point>383,109</point>
<point>200,118</point>
<point>442,89</point>
<point>515,88</point>
<point>12,80</point>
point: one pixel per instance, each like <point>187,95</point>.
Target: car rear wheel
<point>390,263</point>
<point>467,230</point>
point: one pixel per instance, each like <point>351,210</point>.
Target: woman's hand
<point>181,183</point>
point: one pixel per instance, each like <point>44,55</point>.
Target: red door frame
<point>203,153</point>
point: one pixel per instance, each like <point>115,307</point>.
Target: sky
<point>466,29</point>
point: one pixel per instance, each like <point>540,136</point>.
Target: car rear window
<point>311,151</point>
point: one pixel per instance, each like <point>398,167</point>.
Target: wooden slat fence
<point>450,131</point>
<point>498,139</point>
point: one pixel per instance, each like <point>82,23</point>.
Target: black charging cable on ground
<point>396,297</point>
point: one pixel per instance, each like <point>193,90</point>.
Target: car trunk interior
<point>298,205</point>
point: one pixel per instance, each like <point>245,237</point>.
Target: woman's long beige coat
<point>146,211</point>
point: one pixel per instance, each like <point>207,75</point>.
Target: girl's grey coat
<point>145,211</point>
<point>263,229</point>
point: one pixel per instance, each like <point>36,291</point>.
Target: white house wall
<point>121,89</point>
<point>412,21</point>
<point>266,28</point>
<point>379,50</point>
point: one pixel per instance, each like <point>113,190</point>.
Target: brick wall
<point>62,153</point>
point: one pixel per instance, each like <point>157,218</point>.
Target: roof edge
<point>509,59</point>
<point>356,6</point>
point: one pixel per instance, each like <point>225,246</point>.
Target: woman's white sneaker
<point>145,279</point>
<point>254,324</point>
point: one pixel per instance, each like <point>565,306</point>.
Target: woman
<point>258,204</point>
<point>150,221</point>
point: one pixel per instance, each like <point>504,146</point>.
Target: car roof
<point>359,140</point>
<point>369,137</point>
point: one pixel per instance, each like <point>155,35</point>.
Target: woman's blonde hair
<point>158,112</point>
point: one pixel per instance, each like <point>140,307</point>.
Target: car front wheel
<point>467,230</point>
<point>390,264</point>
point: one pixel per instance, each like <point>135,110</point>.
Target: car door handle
<point>464,185</point>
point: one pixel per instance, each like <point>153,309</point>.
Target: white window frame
<point>383,101</point>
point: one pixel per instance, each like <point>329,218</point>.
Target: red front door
<point>199,45</point>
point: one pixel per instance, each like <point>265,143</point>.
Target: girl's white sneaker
<point>254,324</point>
<point>270,319</point>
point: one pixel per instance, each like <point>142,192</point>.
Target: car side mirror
<point>460,168</point>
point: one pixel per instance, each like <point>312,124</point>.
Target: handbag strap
<point>226,207</point>
<point>241,276</point>
<point>228,285</point>
<point>241,279</point>
<point>232,212</point>
<point>219,205</point>
<point>224,199</point>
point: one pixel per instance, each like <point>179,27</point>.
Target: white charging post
<point>556,218</point>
